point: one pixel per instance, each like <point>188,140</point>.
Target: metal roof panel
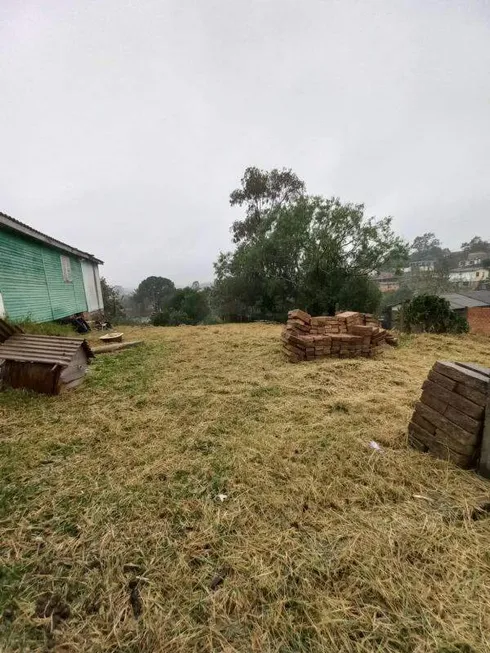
<point>42,349</point>
<point>22,228</point>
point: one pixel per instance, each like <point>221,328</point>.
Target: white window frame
<point>66,268</point>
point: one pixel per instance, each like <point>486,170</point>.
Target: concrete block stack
<point>448,420</point>
<point>344,335</point>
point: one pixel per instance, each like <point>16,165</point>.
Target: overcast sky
<point>124,125</point>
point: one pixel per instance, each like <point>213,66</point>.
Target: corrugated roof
<point>467,268</point>
<point>33,348</point>
<point>478,255</point>
<point>458,301</point>
<point>480,295</point>
<point>20,227</point>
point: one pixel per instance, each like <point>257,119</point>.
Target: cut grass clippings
<point>199,493</point>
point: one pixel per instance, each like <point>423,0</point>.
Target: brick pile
<point>345,335</point>
<point>448,420</point>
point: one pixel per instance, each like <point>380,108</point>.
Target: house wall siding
<point>93,291</point>
<point>31,280</point>
<point>479,319</point>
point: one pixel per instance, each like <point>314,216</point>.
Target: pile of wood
<point>345,335</point>
<point>449,418</point>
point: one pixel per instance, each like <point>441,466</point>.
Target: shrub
<point>431,314</point>
<point>185,306</point>
<point>170,317</point>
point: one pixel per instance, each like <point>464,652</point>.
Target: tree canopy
<point>153,292</point>
<point>188,305</point>
<point>305,251</point>
<point>427,246</point>
<point>261,191</point>
<point>426,243</point>
<point>476,244</point>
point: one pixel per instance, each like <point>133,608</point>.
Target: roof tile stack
<point>346,335</point>
<point>448,419</point>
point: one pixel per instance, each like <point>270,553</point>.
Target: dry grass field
<point>200,494</point>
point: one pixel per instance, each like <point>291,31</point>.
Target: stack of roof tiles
<point>346,335</point>
<point>448,420</point>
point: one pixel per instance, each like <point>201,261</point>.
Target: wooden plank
<point>468,377</point>
<point>473,395</point>
<point>454,433</point>
<point>438,449</point>
<point>294,350</point>
<point>453,399</point>
<point>467,423</point>
<point>35,376</point>
<point>421,421</point>
<point>298,314</point>
<point>445,381</point>
<point>443,438</point>
<point>433,402</point>
<point>474,367</point>
<point>484,462</point>
<point>105,349</point>
<point>416,444</point>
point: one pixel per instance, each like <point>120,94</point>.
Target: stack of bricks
<point>346,335</point>
<point>448,420</point>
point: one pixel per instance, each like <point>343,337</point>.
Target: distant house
<point>43,279</point>
<point>422,265</point>
<point>387,282</point>
<point>475,259</point>
<point>469,276</point>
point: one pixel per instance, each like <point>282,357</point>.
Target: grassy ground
<point>47,328</point>
<point>114,536</point>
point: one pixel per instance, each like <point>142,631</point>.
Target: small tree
<point>113,306</point>
<point>431,314</point>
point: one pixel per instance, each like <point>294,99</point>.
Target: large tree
<point>259,192</point>
<point>426,243</point>
<point>428,246</point>
<point>153,292</point>
<point>476,244</point>
<point>309,252</point>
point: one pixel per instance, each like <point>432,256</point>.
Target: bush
<point>431,314</point>
<point>170,317</point>
<point>185,306</point>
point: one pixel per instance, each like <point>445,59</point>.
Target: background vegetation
<point>293,249</point>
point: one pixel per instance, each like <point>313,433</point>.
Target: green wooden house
<point>43,279</point>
